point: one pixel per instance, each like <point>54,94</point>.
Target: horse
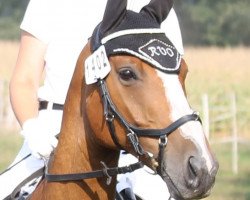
<point>121,97</point>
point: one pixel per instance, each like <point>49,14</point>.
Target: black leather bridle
<point>133,132</point>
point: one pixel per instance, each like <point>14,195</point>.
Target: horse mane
<point>78,152</point>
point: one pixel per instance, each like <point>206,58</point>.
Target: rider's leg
<point>51,119</point>
<point>18,171</point>
<point>142,181</point>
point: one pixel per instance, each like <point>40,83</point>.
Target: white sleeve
<point>38,19</point>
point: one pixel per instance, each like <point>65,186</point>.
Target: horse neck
<point>77,149</point>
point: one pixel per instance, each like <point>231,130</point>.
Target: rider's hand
<point>40,141</point>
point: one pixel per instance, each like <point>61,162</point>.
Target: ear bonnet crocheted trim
<point>123,31</point>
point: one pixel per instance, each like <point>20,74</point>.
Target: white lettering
<point>153,51</point>
<point>96,66</point>
<point>170,52</point>
<point>159,50</point>
<point>162,51</point>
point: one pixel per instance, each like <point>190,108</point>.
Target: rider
<point>53,34</point>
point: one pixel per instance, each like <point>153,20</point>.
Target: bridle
<point>133,132</point>
<point>113,37</point>
<point>97,67</point>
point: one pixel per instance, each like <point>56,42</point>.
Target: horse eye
<point>127,75</point>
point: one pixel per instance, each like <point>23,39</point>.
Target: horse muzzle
<point>192,181</point>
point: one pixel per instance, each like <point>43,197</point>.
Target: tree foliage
<point>11,14</point>
<point>212,22</point>
<point>203,22</point>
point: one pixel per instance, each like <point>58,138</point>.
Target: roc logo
<point>164,55</point>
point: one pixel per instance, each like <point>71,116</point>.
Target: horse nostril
<point>195,172</point>
<point>194,166</point>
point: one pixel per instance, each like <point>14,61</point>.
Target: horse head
<point>141,81</point>
<point>129,95</point>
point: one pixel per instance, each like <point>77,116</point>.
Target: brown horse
<point>140,106</point>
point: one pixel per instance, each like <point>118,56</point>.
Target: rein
<point>105,172</point>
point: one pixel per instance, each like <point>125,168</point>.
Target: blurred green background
<point>216,36</point>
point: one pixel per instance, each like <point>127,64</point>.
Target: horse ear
<point>114,13</point>
<point>158,9</point>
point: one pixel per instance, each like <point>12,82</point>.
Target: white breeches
<point>12,178</point>
<point>145,184</point>
<point>51,119</point>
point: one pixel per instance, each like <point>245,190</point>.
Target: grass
<point>8,56</point>
<point>229,186</point>
<point>219,72</point>
<point>10,143</point>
